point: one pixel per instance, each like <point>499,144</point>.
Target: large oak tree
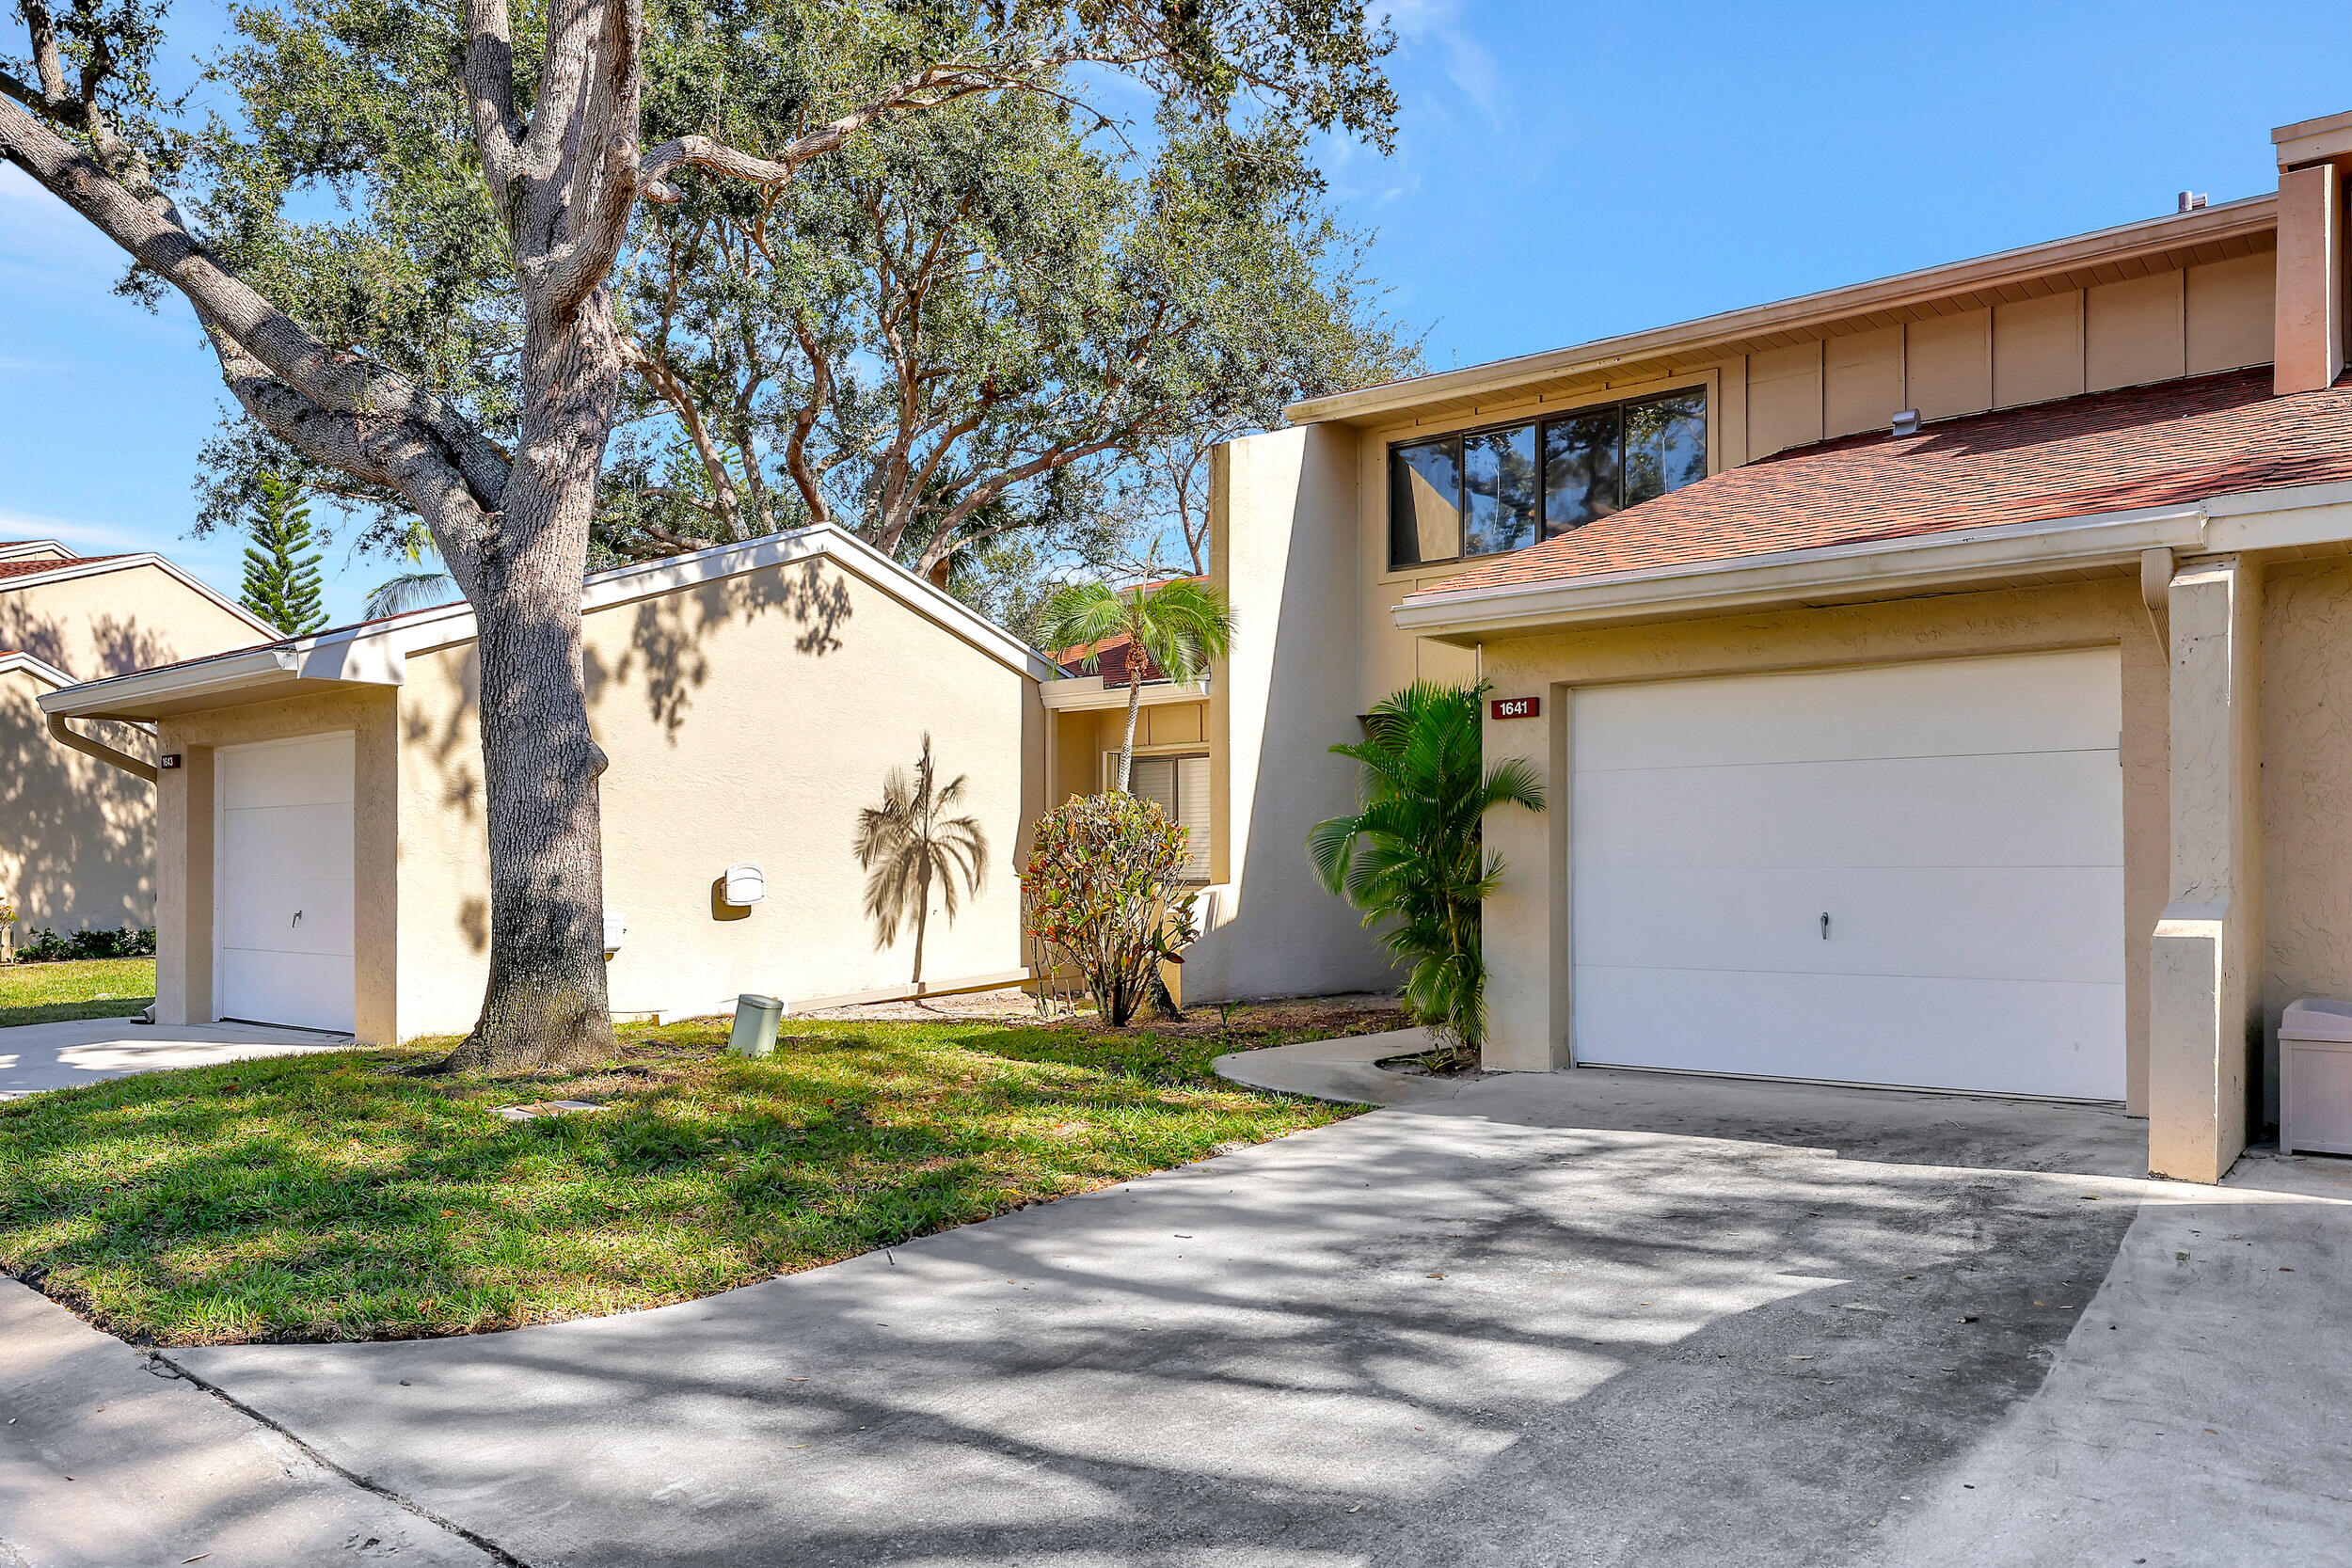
<point>555,112</point>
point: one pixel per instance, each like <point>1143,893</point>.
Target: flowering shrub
<point>1098,891</point>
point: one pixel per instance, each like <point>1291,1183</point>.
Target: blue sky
<point>1564,170</point>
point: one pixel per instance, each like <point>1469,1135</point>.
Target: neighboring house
<point>1942,681</point>
<point>322,852</point>
<point>77,845</point>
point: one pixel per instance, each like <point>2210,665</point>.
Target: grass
<point>88,988</point>
<point>334,1196</point>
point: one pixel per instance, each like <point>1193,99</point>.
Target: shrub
<point>45,946</point>
<point>1098,893</point>
<point>1412,860</point>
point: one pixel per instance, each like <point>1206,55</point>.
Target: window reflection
<point>1665,445</point>
<point>1488,491</point>
<point>1498,490</point>
<point>1580,470</point>
<point>1425,499</point>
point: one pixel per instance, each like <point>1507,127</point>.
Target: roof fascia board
<point>19,549</point>
<point>40,669</point>
<point>68,570</point>
<point>248,670</point>
<point>1974,555</point>
<point>623,585</point>
<point>1085,693</point>
<point>2251,215</point>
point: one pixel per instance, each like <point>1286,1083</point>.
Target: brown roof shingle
<point>2171,442</point>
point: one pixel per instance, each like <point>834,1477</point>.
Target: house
<point>321,853</point>
<point>77,836</point>
<point>1937,682</point>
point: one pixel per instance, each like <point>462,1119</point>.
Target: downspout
<point>2155,592</point>
<point>75,740</point>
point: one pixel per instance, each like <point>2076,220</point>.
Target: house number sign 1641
<point>1516,707</point>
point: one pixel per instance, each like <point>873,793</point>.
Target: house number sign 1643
<point>1517,707</point>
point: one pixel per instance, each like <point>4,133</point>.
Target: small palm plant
<point>909,843</point>
<point>1412,860</point>
<point>1182,627</point>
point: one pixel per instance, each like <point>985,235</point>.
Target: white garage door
<point>282,905</point>
<point>1958,824</point>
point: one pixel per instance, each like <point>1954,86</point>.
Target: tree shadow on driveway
<point>1409,1338</point>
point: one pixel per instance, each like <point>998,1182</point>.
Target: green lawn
<point>333,1197</point>
<point>92,988</point>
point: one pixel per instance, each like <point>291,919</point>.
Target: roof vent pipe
<point>2190,201</point>
<point>1905,423</point>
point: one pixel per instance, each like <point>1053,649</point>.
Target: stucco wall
<point>2307,794</point>
<point>746,719</point>
<point>77,836</point>
<point>1526,923</point>
<point>1283,513</point>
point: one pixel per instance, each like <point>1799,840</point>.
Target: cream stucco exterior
<point>2229,616</point>
<point>76,835</point>
<point>751,703</point>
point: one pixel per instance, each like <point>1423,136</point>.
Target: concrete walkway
<point>105,1463</point>
<point>1584,1319</point>
<point>38,1056</point>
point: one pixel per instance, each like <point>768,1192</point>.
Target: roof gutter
<point>2102,540</point>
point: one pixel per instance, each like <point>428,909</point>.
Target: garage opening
<point>282,883</point>
<point>1901,875</point>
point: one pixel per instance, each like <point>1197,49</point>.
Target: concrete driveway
<point>38,1056</point>
<point>1593,1318</point>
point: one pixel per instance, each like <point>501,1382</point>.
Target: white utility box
<point>2315,1077</point>
<point>745,886</point>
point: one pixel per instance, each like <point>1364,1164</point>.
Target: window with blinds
<point>1181,786</point>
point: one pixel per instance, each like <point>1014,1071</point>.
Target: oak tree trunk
<point>546,1004</point>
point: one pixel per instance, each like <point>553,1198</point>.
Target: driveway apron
<point>1594,1317</point>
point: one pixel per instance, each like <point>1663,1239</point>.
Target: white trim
<point>1087,693</point>
<point>40,669</point>
<point>2106,539</point>
<point>18,549</point>
<point>66,571</point>
<point>2253,215</point>
<point>375,653</point>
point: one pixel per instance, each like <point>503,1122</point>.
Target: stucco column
<point>1523,929</point>
<point>184,886</point>
<point>2205,994</point>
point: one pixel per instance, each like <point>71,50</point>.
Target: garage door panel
<point>1959,821</point>
<point>309,990</point>
<point>2063,808</point>
<point>1979,923</point>
<point>288,841</point>
<point>1939,709</point>
<point>303,773</point>
<point>261,914</point>
<point>283,908</point>
<point>2060,1040</point>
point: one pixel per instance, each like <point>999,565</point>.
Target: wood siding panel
<point>1862,381</point>
<point>2132,332</point>
<point>1948,364</point>
<point>1783,399</point>
<point>2229,312</point>
<point>2038,349</point>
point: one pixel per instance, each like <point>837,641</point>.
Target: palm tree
<point>1412,858</point>
<point>1182,627</point>
<point>908,843</point>
<point>416,588</point>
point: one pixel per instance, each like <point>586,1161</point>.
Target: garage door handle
<point>297,920</point>
<point>1824,924</point>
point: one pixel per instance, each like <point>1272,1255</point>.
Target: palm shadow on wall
<point>909,844</point>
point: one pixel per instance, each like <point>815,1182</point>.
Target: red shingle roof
<point>47,563</point>
<point>2172,442</point>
